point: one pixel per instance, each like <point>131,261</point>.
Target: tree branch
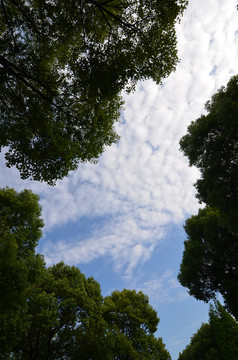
<point>9,24</point>
<point>26,16</point>
<point>120,21</point>
<point>24,80</point>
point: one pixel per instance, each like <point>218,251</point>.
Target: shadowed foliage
<point>210,259</point>
<point>217,340</point>
<point>212,145</point>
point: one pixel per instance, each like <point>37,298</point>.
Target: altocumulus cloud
<point>143,184</point>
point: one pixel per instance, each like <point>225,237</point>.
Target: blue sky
<point>121,220</point>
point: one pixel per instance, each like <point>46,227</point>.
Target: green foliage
<point>210,259</point>
<point>20,216</point>
<point>217,340</point>
<point>63,65</point>
<point>225,331</point>
<point>20,230</point>
<point>130,312</point>
<point>64,307</point>
<point>201,347</point>
<point>70,319</point>
<point>211,145</point>
<point>132,323</point>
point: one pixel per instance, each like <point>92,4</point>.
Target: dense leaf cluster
<point>20,231</point>
<point>217,340</point>
<point>210,259</point>
<point>211,144</point>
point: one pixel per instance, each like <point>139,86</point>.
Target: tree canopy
<point>63,65</point>
<point>20,231</point>
<point>69,319</point>
<point>217,340</point>
<point>212,145</point>
<point>57,313</point>
<point>132,321</point>
<point>209,263</point>
<point>210,259</point>
<point>64,307</point>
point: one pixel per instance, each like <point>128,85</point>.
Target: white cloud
<point>144,183</point>
<point>164,289</point>
<point>119,242</point>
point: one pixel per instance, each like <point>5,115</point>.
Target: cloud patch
<point>164,289</point>
<point>143,184</point>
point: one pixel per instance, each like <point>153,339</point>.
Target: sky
<point>121,220</point>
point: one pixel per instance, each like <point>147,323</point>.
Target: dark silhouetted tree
<point>212,145</point>
<point>217,340</point>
